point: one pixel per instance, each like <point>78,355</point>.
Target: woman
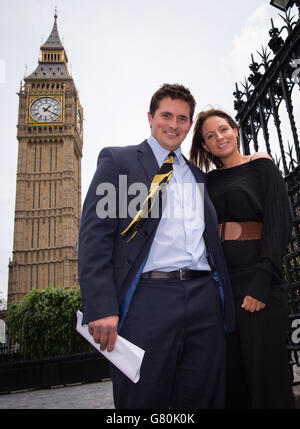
<point>251,201</point>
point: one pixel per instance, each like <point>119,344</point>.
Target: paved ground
<point>80,396</point>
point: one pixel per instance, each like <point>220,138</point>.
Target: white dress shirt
<point>178,242</point>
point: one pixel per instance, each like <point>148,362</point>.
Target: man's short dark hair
<point>173,91</point>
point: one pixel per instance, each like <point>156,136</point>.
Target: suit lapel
<point>147,158</point>
<point>150,166</point>
<point>199,175</point>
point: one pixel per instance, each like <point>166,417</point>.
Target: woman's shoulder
<point>259,155</point>
<point>264,164</point>
<point>258,162</point>
<point>262,161</point>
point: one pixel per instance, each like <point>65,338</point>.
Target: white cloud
<point>252,36</point>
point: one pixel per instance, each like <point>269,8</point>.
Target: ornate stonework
<point>48,191</point>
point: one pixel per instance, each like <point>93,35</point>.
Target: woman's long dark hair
<point>198,155</point>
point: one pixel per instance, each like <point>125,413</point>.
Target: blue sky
<point>119,53</point>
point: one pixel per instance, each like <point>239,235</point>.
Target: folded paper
<point>127,357</point>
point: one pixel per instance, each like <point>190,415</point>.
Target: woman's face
<point>220,138</point>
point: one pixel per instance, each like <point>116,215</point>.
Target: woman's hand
<point>252,304</point>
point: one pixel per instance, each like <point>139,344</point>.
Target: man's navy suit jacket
<point>107,263</point>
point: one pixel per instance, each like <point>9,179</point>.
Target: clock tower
<point>48,191</point>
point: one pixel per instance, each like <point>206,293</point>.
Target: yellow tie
<point>163,175</point>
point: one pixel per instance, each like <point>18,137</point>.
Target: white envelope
<point>127,357</point>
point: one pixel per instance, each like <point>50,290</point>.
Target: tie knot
<point>171,157</point>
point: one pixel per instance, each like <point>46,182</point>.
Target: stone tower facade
<point>48,191</point>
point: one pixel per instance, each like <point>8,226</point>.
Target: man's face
<point>170,123</point>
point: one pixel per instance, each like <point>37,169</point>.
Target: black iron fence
<point>79,363</point>
<point>268,111</point>
<point>53,371</point>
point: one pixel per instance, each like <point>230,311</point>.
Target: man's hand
<point>252,304</point>
<point>104,332</point>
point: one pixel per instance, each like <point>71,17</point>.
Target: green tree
<point>43,323</point>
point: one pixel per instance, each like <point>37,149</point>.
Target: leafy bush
<point>43,323</point>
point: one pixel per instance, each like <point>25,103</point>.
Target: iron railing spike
<point>273,91</point>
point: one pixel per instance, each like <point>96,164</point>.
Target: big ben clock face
<point>45,109</point>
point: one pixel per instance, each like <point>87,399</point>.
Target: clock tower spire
<point>48,193</point>
<point>53,58</point>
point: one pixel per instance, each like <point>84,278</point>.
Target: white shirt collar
<point>161,154</point>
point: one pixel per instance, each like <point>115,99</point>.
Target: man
<point>151,278</point>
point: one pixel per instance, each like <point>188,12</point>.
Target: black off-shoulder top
<point>254,191</point>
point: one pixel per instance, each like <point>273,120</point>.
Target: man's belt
<point>240,231</point>
<point>175,275</point>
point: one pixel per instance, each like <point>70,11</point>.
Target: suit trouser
<point>179,324</point>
